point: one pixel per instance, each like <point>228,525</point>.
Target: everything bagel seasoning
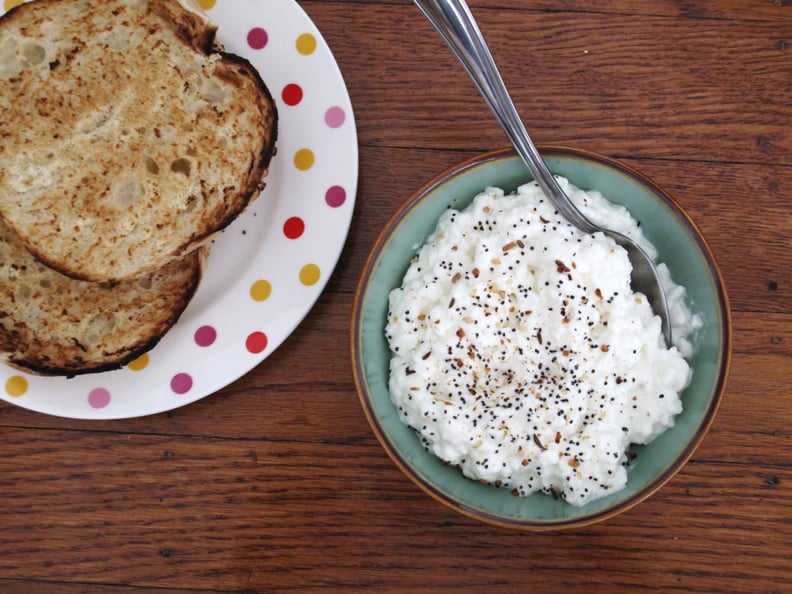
<point>521,354</point>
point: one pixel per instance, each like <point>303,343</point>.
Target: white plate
<point>269,267</point>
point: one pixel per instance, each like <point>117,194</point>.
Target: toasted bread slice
<point>126,138</point>
<point>57,325</point>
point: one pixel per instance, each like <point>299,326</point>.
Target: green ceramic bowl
<point>680,245</point>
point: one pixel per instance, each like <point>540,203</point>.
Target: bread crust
<point>51,324</point>
<point>127,139</point>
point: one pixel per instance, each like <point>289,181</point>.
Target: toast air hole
<point>98,327</point>
<point>181,166</point>
<point>34,53</point>
<point>151,165</point>
<point>128,192</point>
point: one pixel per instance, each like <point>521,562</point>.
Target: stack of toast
<point>128,139</point>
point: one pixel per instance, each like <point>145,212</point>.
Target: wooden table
<point>276,483</point>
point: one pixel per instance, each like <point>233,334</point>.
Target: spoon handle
<point>457,26</point>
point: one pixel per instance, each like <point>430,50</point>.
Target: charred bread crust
<point>256,175</point>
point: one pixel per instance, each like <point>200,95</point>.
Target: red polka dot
<point>294,227</point>
<point>257,38</point>
<point>256,343</point>
<point>292,94</point>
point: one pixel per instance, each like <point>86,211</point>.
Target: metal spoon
<point>457,26</point>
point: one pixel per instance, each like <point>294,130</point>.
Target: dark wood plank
<point>644,86</point>
<point>706,9</point>
<point>60,587</point>
<point>271,515</point>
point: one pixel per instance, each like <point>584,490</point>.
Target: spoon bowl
<point>455,23</point>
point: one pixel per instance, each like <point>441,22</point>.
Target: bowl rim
<point>485,516</point>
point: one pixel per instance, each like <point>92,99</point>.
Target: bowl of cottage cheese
<point>503,359</point>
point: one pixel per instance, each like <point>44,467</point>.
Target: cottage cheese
<point>521,354</point>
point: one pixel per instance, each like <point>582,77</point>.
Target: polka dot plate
<point>269,267</point>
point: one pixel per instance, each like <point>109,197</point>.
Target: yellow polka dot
<point>206,4</point>
<point>304,159</point>
<point>260,290</point>
<point>140,363</point>
<point>306,44</point>
<point>16,386</point>
<point>310,274</point>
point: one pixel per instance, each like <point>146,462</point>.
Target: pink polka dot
<point>292,94</point>
<point>335,196</point>
<point>205,336</point>
<point>257,38</point>
<point>256,343</point>
<point>99,398</point>
<point>335,117</point>
<point>181,383</point>
<point>294,227</point>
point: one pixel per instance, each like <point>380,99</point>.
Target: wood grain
<point>277,483</point>
<point>647,86</point>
